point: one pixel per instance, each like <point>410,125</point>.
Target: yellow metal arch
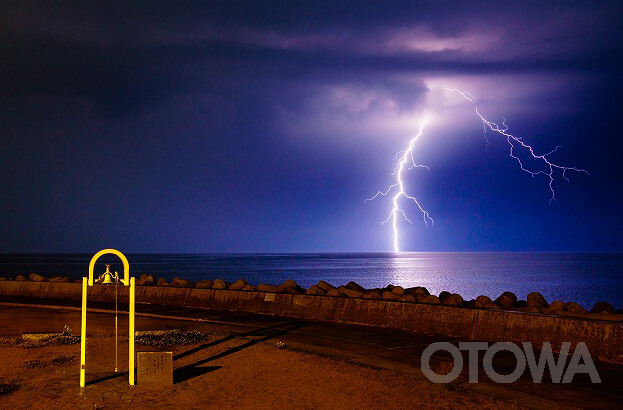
<point>126,265</point>
<point>127,281</point>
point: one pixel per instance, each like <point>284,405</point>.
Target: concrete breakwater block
<point>155,368</point>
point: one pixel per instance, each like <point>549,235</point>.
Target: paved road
<point>383,348</point>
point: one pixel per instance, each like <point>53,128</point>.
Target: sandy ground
<point>223,372</point>
<point>241,367</point>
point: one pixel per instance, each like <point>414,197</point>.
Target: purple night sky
<point>237,126</point>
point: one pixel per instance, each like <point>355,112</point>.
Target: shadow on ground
<point>194,369</point>
<point>104,378</point>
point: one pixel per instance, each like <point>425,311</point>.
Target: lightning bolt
<point>516,142</point>
<point>406,157</point>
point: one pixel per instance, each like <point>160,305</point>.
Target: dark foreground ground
<point>263,362</point>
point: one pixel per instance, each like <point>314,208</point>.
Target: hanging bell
<point>107,278</point>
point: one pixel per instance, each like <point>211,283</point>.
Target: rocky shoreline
<point>533,303</point>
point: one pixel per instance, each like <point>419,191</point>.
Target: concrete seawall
<point>603,339</point>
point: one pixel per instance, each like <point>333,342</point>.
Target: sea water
<point>580,277</point>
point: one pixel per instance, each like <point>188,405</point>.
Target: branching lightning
<point>515,142</point>
<point>406,160</point>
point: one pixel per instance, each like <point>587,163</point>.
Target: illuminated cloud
<point>355,109</point>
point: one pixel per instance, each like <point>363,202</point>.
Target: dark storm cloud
<point>123,56</point>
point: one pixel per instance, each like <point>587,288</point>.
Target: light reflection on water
<point>584,278</point>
